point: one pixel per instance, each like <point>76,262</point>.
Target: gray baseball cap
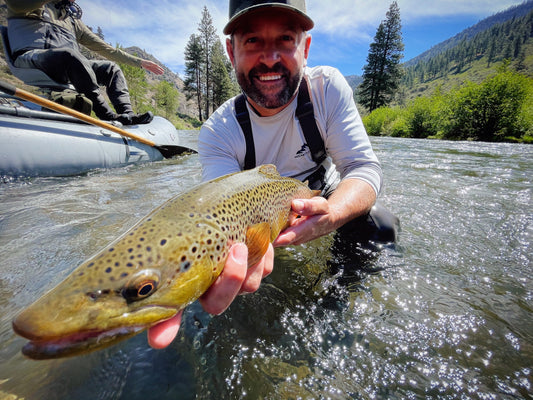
<point>241,8</point>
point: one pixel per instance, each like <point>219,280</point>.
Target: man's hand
<point>314,220</point>
<point>319,216</point>
<point>152,67</point>
<point>236,278</point>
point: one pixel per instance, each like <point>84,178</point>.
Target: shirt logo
<point>303,151</point>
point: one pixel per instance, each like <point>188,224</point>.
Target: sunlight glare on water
<point>446,314</point>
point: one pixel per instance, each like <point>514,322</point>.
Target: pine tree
<point>137,86</point>
<point>194,61</point>
<point>223,86</point>
<point>208,72</point>
<point>382,72</point>
<point>208,36</point>
<point>166,98</point>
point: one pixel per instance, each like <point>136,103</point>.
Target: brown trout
<point>161,265</point>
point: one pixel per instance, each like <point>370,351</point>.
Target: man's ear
<point>229,50</point>
<point>307,45</point>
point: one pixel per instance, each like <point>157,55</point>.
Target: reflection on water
<point>446,315</point>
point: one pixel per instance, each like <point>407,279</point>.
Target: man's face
<point>269,53</point>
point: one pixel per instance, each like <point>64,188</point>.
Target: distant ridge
<point>468,33</point>
<point>498,18</point>
<point>354,80</point>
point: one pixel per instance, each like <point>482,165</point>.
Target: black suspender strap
<point>306,116</point>
<point>243,117</point>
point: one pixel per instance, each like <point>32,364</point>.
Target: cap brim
<point>305,22</point>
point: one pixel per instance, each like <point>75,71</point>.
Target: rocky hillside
<point>185,107</point>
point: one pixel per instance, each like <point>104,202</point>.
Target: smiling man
<point>303,120</point>
<point>268,46</point>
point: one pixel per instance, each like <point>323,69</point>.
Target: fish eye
<point>141,285</point>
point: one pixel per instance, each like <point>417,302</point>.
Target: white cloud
<point>358,19</point>
<point>163,28</point>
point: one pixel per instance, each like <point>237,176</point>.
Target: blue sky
<point>343,29</point>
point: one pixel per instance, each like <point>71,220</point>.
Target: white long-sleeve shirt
<point>279,139</point>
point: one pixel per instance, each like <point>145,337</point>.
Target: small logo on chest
<point>303,151</point>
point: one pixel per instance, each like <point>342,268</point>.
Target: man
<point>268,47</point>
<point>44,34</point>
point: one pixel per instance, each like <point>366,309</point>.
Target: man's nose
<point>270,55</point>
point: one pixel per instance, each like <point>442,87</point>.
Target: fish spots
<point>98,293</point>
<point>185,265</point>
<point>182,245</point>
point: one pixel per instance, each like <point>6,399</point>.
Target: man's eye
<point>251,40</point>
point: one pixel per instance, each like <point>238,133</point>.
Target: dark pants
<point>70,66</point>
<point>378,226</point>
<point>357,243</point>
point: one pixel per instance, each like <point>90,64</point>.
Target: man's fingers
<point>228,285</point>
<point>257,272</point>
<point>235,278</point>
<point>162,334</point>
<point>313,206</point>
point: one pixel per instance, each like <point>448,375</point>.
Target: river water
<point>447,314</point>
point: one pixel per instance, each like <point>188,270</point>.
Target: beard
<point>289,86</point>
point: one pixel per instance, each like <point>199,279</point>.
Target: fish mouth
<point>77,343</point>
<point>58,338</point>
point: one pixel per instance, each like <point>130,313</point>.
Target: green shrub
<point>490,111</point>
<point>378,122</point>
<point>498,109</point>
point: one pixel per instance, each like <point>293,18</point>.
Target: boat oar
<point>167,151</point>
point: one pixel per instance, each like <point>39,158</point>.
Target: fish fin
<point>268,169</point>
<point>257,240</point>
<point>315,192</point>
